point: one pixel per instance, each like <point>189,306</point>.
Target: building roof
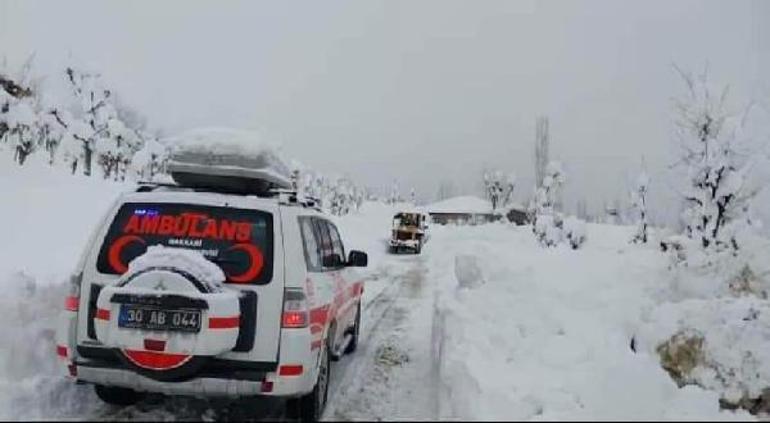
<point>462,204</point>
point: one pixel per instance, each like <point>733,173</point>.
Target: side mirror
<point>332,260</point>
<point>358,259</point>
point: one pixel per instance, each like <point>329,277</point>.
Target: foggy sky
<point>420,91</point>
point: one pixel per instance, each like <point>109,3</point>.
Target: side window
<point>312,247</point>
<point>321,239</point>
<point>339,249</point>
<point>331,246</point>
<point>324,239</point>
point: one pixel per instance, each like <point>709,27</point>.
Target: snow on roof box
<point>227,160</point>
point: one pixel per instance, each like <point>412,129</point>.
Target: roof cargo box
<point>227,160</point>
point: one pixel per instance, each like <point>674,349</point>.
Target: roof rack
<point>284,196</point>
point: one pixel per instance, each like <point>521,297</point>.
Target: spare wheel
<point>165,322</point>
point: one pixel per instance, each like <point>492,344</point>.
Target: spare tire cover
<point>159,353</point>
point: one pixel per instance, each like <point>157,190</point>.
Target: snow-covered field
<point>533,333</point>
<point>546,334</point>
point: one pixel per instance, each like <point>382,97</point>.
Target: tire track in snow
<point>345,370</point>
<point>386,378</point>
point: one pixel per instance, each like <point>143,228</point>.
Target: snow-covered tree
<point>716,196</point>
<point>337,195</point>
<point>498,188</point>
<point>150,160</point>
<point>105,135</point>
<point>549,225</point>
<point>23,131</point>
<point>19,106</point>
<point>639,203</point>
<point>547,222</point>
<point>544,199</point>
<point>77,131</point>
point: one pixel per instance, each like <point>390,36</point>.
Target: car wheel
<point>311,406</point>
<point>334,353</point>
<point>353,344</point>
<point>118,396</point>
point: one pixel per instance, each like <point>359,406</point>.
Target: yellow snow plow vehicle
<point>409,232</point>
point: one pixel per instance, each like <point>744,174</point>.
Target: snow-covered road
<point>543,335</point>
<point>52,219</point>
<point>391,375</point>
<point>388,377</point>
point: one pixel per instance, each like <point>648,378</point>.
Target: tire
<point>418,249</point>
<point>114,395</point>
<point>353,344</point>
<point>331,336</point>
<point>310,407</point>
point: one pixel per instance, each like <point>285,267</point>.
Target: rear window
<point>239,241</point>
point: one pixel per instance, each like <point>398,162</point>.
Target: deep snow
<point>546,334</point>
<point>533,333</point>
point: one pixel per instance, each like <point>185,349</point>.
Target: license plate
<point>149,318</point>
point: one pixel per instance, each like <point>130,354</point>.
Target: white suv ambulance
<point>275,299</point>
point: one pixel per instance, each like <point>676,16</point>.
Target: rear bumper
<point>411,243</point>
<point>204,386</point>
<point>222,378</point>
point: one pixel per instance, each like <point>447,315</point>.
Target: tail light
<point>290,370</point>
<point>295,314</point>
<point>72,301</point>
<point>61,351</point>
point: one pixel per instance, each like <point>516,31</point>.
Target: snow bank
<point>48,215</point>
<point>723,302</point>
<point>735,360</point>
<point>31,381</point>
<point>547,336</point>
